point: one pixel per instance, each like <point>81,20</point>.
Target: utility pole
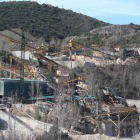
<point>22,65</point>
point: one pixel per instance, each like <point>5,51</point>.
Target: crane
<point>38,55</point>
<point>92,49</point>
<point>70,45</point>
<point>48,45</point>
<point>18,60</point>
<point>9,39</point>
<point>12,41</point>
<point>73,48</point>
<point>101,45</point>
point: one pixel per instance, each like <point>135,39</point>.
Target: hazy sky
<point>112,11</point>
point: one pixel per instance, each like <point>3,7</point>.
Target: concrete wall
<point>11,122</point>
<point>128,127</point>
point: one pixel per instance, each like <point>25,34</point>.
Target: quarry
<point>68,76</point>
<point>42,93</point>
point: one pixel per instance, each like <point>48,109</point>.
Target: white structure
<point>18,54</point>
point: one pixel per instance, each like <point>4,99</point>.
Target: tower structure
<point>22,65</point>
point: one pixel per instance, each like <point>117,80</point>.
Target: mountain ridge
<point>45,20</point>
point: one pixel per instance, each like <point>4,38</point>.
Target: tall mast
<point>22,65</point>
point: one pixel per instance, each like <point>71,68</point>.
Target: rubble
<point>75,106</point>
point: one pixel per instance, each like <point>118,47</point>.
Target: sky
<point>111,11</point>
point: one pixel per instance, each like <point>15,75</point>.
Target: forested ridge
<point>45,20</point>
<point>124,36</point>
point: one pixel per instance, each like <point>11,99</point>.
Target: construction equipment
<point>11,30</point>
<point>14,70</point>
<point>73,48</point>
<point>92,49</point>
<point>38,55</point>
<point>27,70</point>
<point>52,46</point>
<point>70,81</point>
<point>69,45</point>
<point>48,45</point>
<point>40,48</point>
<point>51,65</point>
<point>12,41</point>
<point>101,45</point>
<point>124,53</point>
<point>18,60</point>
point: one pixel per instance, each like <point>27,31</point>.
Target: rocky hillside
<point>115,35</point>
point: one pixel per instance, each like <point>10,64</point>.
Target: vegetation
<point>124,79</point>
<point>54,134</point>
<point>45,20</point>
<point>115,35</point>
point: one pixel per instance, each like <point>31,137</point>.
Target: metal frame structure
<point>22,65</point>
